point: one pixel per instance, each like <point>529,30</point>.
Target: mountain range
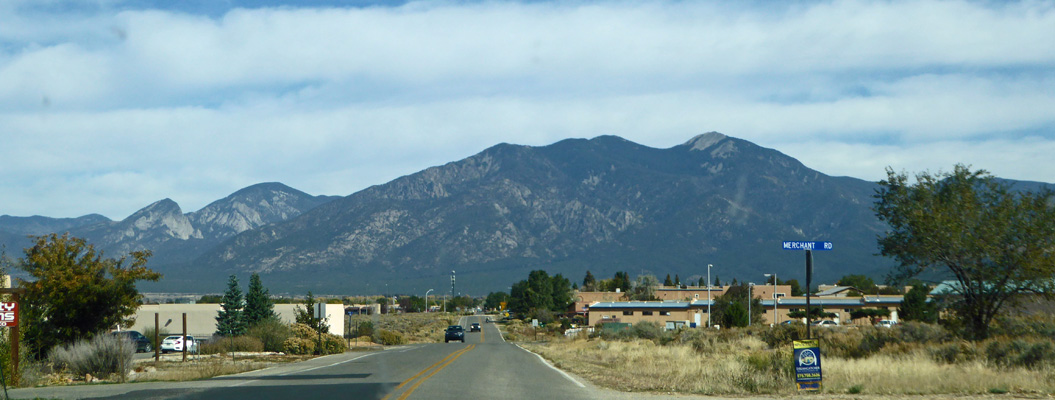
<point>604,205</point>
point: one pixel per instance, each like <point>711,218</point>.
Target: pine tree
<point>306,315</point>
<point>229,320</point>
<point>668,282</point>
<point>677,280</point>
<point>589,283</point>
<point>258,304</point>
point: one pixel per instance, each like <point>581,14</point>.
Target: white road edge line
<point>306,370</point>
<point>565,374</point>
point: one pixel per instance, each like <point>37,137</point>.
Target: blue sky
<point>107,106</point>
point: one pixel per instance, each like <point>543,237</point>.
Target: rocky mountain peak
<point>164,214</point>
<point>704,141</point>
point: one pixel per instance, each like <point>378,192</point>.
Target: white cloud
<point>155,104</point>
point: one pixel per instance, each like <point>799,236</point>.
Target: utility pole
<point>750,299</point>
<point>452,285</point>
<point>709,295</point>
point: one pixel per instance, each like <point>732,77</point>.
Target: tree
<point>677,280</point>
<point>258,304</point>
<point>796,289</point>
<point>996,244</point>
<point>306,315</point>
<point>412,303</point>
<point>589,283</point>
<point>915,307</point>
<point>730,309</point>
<point>860,282</point>
<point>540,292</point>
<point>666,282</point>
<point>229,321</point>
<point>494,300</point>
<point>816,313</point>
<point>77,293</point>
<point>871,313</point>
<point>644,288</point>
<point>210,299</point>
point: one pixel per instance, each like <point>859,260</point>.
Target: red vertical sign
<point>8,314</point>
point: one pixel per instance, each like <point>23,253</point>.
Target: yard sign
<point>8,314</point>
<point>808,364</point>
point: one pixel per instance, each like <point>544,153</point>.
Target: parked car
<point>791,322</point>
<point>475,327</point>
<point>175,343</point>
<point>886,323</point>
<point>826,324</point>
<point>141,342</point>
<point>454,332</point>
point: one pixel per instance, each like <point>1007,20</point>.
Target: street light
<point>775,316</point>
<point>427,300</point>
<point>709,295</point>
<point>750,299</point>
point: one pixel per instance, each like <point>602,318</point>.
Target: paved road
<point>485,366</point>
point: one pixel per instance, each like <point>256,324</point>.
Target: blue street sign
<point>807,245</point>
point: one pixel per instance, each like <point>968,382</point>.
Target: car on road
<point>175,343</point>
<point>141,342</point>
<point>886,323</point>
<point>475,327</point>
<point>454,332</point>
<point>826,324</point>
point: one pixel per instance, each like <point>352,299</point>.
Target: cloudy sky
<point>107,106</point>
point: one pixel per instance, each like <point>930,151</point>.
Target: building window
<point>628,313</point>
<point>664,313</point>
<point>847,310</point>
<point>794,310</point>
<point>779,295</point>
<point>697,295</point>
<point>646,313</point>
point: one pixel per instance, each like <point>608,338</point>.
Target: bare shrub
<point>225,345</point>
<point>299,346</point>
<point>388,338</point>
<point>102,356</point>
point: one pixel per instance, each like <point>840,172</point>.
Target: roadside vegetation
<point>911,359</point>
<point>396,329</point>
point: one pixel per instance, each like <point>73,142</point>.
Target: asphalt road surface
<point>484,367</point>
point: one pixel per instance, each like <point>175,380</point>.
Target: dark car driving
<point>141,342</point>
<point>475,327</point>
<point>454,332</point>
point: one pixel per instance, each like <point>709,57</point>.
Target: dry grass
<point>415,327</point>
<point>204,367</point>
<point>746,366</point>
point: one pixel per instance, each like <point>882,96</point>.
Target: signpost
<point>808,352</point>
<point>808,364</point>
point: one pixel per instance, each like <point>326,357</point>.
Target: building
<point>584,299</point>
<point>674,314</point>
<point>201,318</point>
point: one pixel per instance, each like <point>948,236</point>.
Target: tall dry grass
<point>706,363</point>
<point>414,327</point>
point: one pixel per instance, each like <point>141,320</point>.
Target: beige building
<point>201,318</point>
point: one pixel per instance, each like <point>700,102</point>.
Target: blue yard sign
<point>807,245</point>
<point>808,364</point>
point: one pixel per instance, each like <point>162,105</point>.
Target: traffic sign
<point>807,245</point>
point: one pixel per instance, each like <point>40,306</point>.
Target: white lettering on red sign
<point>8,314</point>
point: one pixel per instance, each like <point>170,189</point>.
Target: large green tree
<point>731,308</point>
<point>75,292</point>
<point>997,244</point>
<point>494,300</point>
<point>229,321</point>
<point>540,292</point>
<point>916,307</point>
<point>258,304</point>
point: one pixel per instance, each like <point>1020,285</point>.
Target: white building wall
<point>201,318</point>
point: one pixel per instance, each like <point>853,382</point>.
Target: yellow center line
<point>404,383</point>
<point>422,380</point>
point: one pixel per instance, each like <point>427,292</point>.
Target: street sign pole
<point>809,283</point>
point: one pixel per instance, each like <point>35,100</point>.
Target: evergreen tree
<point>915,307</point>
<point>589,283</point>
<point>668,282</point>
<point>677,280</point>
<point>306,315</point>
<point>229,320</point>
<point>258,304</point>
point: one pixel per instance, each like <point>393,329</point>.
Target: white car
<point>175,343</point>
<point>826,324</point>
<point>886,323</point>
